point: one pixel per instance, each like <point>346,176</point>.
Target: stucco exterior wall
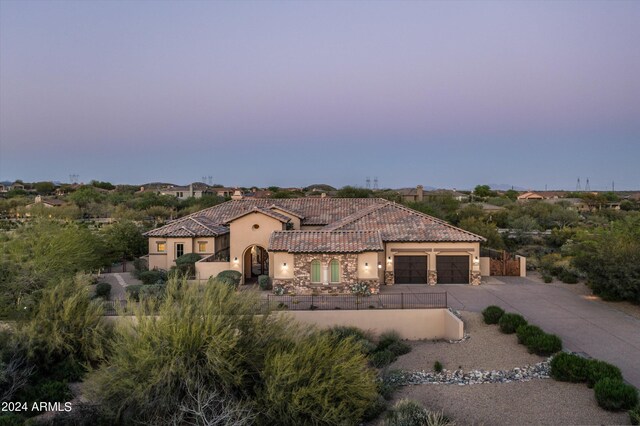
<point>245,235</point>
<point>412,324</point>
<point>206,270</point>
<point>368,265</point>
<point>485,267</point>
<point>280,270</point>
<point>431,250</point>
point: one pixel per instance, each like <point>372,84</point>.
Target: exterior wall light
<point>476,261</point>
<point>379,265</point>
<point>284,265</point>
<point>389,259</point>
<point>235,259</point>
<point>366,265</point>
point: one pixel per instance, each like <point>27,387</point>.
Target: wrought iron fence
<point>352,302</point>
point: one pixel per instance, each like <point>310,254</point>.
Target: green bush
<point>544,344</point>
<point>140,265</point>
<point>382,358</point>
<point>49,391</point>
<point>568,276</point>
<point>598,370</point>
<point>614,394</point>
<point>103,290</point>
<point>133,291</point>
<point>389,382</point>
<point>374,411</point>
<point>229,277</point>
<point>342,332</point>
<point>492,314</point>
<point>547,278</point>
<point>152,277</point>
<point>634,415</point>
<point>152,291</point>
<point>437,367</point>
<point>569,368</point>
<point>399,348</point>
<point>317,378</point>
<point>387,339</point>
<point>526,332</point>
<point>407,413</point>
<point>264,281</point>
<point>509,323</point>
<point>186,264</point>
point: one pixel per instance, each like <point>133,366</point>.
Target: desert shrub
<point>67,329</point>
<point>547,278</point>
<point>264,281</point>
<point>133,291</point>
<point>492,314</point>
<point>382,358</point>
<point>510,322</point>
<point>342,332</point>
<point>568,276</point>
<point>545,344</point>
<point>527,332</point>
<point>140,265</point>
<point>387,339</point>
<point>153,291</point>
<point>81,415</point>
<point>406,413</point>
<point>399,348</point>
<point>154,276</point>
<point>374,411</point>
<point>50,391</point>
<point>569,368</point>
<point>186,264</point>
<point>205,355</point>
<point>103,290</point>
<point>614,394</point>
<point>437,367</point>
<point>279,290</point>
<point>388,382</point>
<point>317,378</point>
<point>634,415</point>
<point>598,370</point>
<point>230,278</point>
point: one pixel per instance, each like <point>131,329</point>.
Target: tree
<point>483,191</point>
<point>85,195</point>
<point>512,194</point>
<point>125,240</point>
<point>487,230</point>
<point>610,257</point>
<point>44,187</point>
<point>102,185</point>
<point>353,192</point>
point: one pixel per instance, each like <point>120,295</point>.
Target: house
<point>530,196</point>
<point>412,195</point>
<point>320,245</point>
<point>195,190</point>
<point>47,203</point>
<point>458,196</point>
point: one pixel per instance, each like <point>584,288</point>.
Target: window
<point>202,246</point>
<point>161,246</point>
<point>315,271</point>
<point>179,250</point>
<point>335,271</point>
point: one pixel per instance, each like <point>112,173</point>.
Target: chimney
<point>419,193</point>
<point>190,190</point>
<point>323,195</point>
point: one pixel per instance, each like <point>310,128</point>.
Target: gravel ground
<point>487,348</point>
<point>538,402</point>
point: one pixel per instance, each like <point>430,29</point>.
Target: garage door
<point>410,269</point>
<point>452,269</point>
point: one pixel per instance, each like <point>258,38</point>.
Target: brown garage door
<point>452,269</point>
<point>410,269</point>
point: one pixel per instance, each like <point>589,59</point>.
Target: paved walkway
<point>119,282</point>
<point>584,324</point>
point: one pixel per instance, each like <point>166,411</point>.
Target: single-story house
<point>320,245</point>
<point>48,203</point>
<point>412,195</point>
<point>530,196</point>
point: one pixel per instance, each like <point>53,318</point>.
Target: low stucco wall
<point>523,265</point>
<point>412,324</point>
<point>485,270</point>
<point>204,270</point>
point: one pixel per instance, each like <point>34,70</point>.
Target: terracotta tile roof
<point>189,227</point>
<point>265,211</point>
<point>399,223</point>
<point>325,241</point>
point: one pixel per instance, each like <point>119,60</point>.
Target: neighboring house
<point>459,196</point>
<point>320,245</point>
<point>46,203</point>
<point>530,196</point>
<point>196,190</point>
<point>412,195</point>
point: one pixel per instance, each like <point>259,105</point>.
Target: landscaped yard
<point>538,401</point>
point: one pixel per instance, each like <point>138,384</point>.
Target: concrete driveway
<point>584,324</point>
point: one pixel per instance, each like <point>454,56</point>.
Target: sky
<point>444,94</point>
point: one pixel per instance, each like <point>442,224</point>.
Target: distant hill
<point>320,187</point>
<point>505,187</point>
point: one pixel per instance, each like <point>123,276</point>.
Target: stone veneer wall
<point>476,278</point>
<point>301,281</point>
<point>432,278</point>
<point>389,277</point>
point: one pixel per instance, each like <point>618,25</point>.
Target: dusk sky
<point>444,94</point>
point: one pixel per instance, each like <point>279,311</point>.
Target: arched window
<point>315,271</point>
<point>334,267</point>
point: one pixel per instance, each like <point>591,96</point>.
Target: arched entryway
<point>256,263</point>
